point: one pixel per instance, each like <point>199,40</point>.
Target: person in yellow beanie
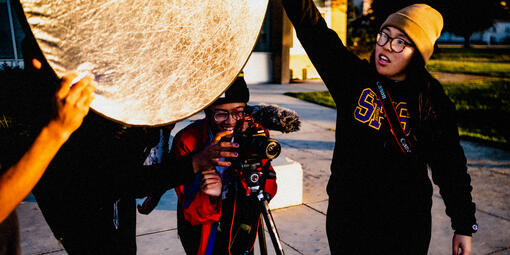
<point>394,122</point>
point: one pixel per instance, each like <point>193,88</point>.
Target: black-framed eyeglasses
<point>220,116</point>
<point>396,44</point>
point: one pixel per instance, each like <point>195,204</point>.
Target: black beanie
<point>236,93</point>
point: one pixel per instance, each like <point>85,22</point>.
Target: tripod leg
<point>271,227</point>
<point>262,237</point>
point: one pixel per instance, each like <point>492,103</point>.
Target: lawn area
<point>483,106</point>
<point>470,67</point>
<point>318,97</point>
<point>486,61</point>
<point>473,54</point>
<point>483,109</point>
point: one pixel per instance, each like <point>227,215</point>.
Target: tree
<point>465,17</point>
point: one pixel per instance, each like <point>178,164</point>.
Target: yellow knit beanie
<point>421,23</point>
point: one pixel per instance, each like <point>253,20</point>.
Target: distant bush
<point>24,107</point>
<point>24,95</point>
<point>361,35</point>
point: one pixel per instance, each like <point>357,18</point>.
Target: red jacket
<point>194,206</point>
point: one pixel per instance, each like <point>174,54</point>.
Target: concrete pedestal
<point>289,177</point>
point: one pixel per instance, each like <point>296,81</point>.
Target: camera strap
<point>393,120</point>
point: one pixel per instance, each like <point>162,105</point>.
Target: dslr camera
<point>255,147</point>
<point>254,141</point>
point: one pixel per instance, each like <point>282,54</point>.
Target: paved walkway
<point>302,227</point>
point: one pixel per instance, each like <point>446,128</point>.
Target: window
<point>8,20</point>
<point>6,48</point>
<point>264,41</point>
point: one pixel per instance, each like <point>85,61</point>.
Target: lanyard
<point>393,120</point>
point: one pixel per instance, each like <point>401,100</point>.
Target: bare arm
<point>71,106</point>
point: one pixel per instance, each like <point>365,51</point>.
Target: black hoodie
<point>369,172</point>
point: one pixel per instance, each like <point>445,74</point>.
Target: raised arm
<point>335,64</point>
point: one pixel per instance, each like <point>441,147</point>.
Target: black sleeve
<point>140,181</point>
<point>335,64</point>
<point>449,171</point>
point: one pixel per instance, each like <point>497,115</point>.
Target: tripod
<point>255,181</point>
<point>273,232</point>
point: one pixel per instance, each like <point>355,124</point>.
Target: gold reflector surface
<point>156,62</point>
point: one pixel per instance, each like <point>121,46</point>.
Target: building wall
<point>335,14</point>
<point>259,67</point>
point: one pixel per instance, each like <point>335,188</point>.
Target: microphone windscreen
<point>274,117</point>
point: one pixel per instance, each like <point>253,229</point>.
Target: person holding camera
<point>394,121</point>
<point>216,215</point>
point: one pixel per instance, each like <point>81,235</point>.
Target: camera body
<point>254,141</point>
<point>255,149</point>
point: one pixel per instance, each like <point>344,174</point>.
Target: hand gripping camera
<point>254,141</point>
<point>256,149</point>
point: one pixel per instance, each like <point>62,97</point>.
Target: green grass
<point>483,109</point>
<point>474,54</point>
<point>318,97</point>
<point>467,67</point>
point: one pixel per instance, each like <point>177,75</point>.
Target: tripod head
<point>253,175</point>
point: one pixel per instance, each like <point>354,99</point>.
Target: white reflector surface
<point>156,62</point>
